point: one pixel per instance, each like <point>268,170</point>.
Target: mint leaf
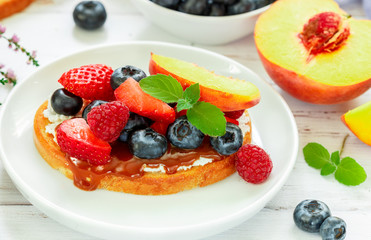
<point>163,87</point>
<point>183,104</point>
<point>327,169</point>
<point>192,93</point>
<point>350,173</point>
<point>207,118</point>
<point>335,157</point>
<point>190,97</point>
<point>316,155</point>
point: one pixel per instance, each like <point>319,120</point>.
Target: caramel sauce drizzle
<point>124,164</point>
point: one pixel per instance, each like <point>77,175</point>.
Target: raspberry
<point>90,82</point>
<point>108,120</point>
<point>75,138</point>
<point>253,164</point>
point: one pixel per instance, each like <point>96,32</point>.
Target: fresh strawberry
<point>142,103</point>
<point>231,120</point>
<point>234,114</point>
<point>160,127</point>
<point>90,82</point>
<point>253,164</point>
<point>106,121</point>
<point>75,138</point>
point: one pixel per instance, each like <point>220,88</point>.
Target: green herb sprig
<point>208,118</point>
<point>346,170</point>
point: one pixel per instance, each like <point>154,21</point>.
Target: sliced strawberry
<point>231,120</point>
<point>142,103</point>
<point>160,127</point>
<point>75,138</point>
<point>90,82</point>
<point>107,120</point>
<point>234,114</point>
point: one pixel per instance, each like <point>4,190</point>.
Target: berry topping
<point>135,122</point>
<point>91,105</point>
<point>90,82</point>
<point>253,164</point>
<point>75,138</point>
<point>107,120</point>
<point>230,142</point>
<point>160,127</point>
<point>333,228</point>
<point>142,103</point>
<point>89,15</point>
<point>65,103</point>
<point>234,114</point>
<point>181,133</point>
<point>310,214</point>
<point>147,144</point>
<point>121,74</point>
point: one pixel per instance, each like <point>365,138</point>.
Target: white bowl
<point>200,29</point>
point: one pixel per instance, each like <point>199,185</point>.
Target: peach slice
<point>314,50</point>
<point>229,94</point>
<point>358,120</point>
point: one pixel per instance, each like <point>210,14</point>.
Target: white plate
<point>187,215</point>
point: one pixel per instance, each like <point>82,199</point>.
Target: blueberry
<point>135,122</point>
<point>226,2</point>
<point>333,228</point>
<point>230,142</point>
<point>89,15</point>
<point>167,3</point>
<point>242,6</point>
<point>121,74</point>
<point>147,144</point>
<point>91,105</point>
<point>196,7</point>
<point>181,133</point>
<point>65,103</point>
<point>261,3</point>
<point>310,214</point>
<point>217,10</point>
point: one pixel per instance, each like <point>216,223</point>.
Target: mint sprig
<point>208,118</point>
<point>346,170</point>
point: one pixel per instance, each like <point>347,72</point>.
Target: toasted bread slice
<point>9,7</point>
<point>149,183</point>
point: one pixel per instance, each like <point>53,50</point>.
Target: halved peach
<point>358,120</point>
<point>314,50</point>
<point>227,93</point>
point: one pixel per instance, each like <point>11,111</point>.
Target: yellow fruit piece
<point>358,120</point>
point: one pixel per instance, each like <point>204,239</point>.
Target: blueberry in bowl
<point>211,22</point>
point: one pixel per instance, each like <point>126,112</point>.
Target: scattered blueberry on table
<point>89,15</point>
<point>315,216</point>
<point>213,7</point>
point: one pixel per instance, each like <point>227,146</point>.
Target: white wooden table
<point>48,27</point>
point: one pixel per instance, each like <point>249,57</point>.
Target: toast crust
<point>149,183</point>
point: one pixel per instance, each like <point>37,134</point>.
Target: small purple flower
<point>33,54</point>
<point>10,74</point>
<point>1,65</point>
<point>15,39</point>
<point>2,29</point>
